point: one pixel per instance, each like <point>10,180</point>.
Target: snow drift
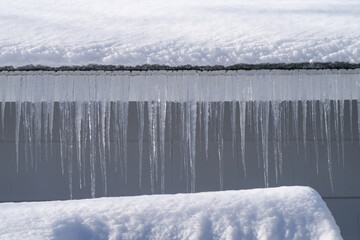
<point>273,213</point>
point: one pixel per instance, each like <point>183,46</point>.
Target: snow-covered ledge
<point>273,213</point>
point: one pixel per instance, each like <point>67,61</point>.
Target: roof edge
<point>156,67</point>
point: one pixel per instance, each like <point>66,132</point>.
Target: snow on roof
<point>177,32</point>
<point>273,213</point>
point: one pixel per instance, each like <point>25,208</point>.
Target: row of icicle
<point>91,132</point>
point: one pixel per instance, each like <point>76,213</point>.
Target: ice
<point>233,127</point>
<point>220,141</point>
<point>153,140</point>
<point>192,144</point>
<point>304,119</point>
<point>92,141</point>
<point>206,128</point>
<point>275,107</point>
<point>92,111</point>
<point>242,117</point>
<point>17,132</point>
<point>314,115</point>
<point>342,103</point>
<point>101,143</point>
<point>140,112</point>
<point>264,122</point>
<point>2,106</point>
<point>78,120</point>
<point>327,113</point>
<point>162,125</point>
<point>256,127</point>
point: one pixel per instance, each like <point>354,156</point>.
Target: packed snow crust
<point>273,213</point>
<point>178,32</point>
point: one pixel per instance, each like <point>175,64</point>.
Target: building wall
<point>48,183</point>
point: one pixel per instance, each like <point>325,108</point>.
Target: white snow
<point>177,32</point>
<point>273,213</point>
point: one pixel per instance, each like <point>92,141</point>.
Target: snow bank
<point>273,213</point>
<point>178,32</point>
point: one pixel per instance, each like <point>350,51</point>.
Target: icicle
<point>31,136</point>
<point>341,108</point>
<point>280,140</point>
<point>102,147</point>
<point>69,133</point>
<point>199,117</point>
<point>304,118</point>
<point>275,107</point>
<point>327,114</point>
<point>321,111</point>
<point>249,114</point>
<point>351,120</point>
<point>26,128</point>
<point>242,117</point>
<point>187,144</point>
<point>162,124</point>
<point>358,117</point>
<point>184,146</point>
<point>62,135</point>
<point>116,130</point>
<point>206,128</point>
<point>256,129</point>
<point>337,129</point>
<point>78,116</point>
<point>233,126</point>
<point>264,121</point>
<point>107,129</point>
<point>152,133</point>
<point>86,119</point>
<point>315,133</point>
<point>220,141</point>
<point>286,118</point>
<point>295,119</point>
<point>3,104</point>
<point>37,130</point>
<point>192,144</point>
<point>45,127</point>
<point>140,111</point>
<point>123,111</point>
<point>169,129</point>
<point>85,130</point>
<point>92,140</point>
<point>51,124</point>
<point>17,131</point>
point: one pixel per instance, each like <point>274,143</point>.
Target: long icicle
<point>327,114</point>
<point>162,126</point>
<point>242,117</point>
<point>264,119</point>
<point>140,111</point>
<point>192,145</point>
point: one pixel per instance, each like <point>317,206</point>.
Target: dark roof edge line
<point>155,67</point>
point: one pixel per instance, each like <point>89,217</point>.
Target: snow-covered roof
<point>174,32</point>
<point>274,213</point>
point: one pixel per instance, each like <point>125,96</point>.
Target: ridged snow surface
<point>274,213</point>
<point>92,117</point>
<point>178,32</point>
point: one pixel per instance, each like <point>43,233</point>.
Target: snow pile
<point>273,213</point>
<point>178,32</point>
